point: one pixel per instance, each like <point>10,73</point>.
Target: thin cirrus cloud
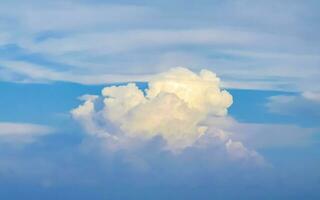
<point>304,105</point>
<point>24,72</point>
<point>34,17</point>
<point>240,41</point>
<point>265,135</point>
<point>125,41</point>
<point>174,107</point>
<point>21,133</point>
<point>306,102</point>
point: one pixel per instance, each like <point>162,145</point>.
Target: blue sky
<point>72,128</point>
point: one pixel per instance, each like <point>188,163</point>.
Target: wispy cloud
<point>24,72</point>
<point>105,43</point>
<point>37,16</point>
<point>241,41</point>
<point>17,133</point>
<point>306,104</point>
<point>266,135</point>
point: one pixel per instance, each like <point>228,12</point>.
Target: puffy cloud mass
<point>175,107</point>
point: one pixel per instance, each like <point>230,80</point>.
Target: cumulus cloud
<point>175,107</point>
<point>21,132</point>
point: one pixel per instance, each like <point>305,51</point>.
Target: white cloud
<point>4,38</point>
<point>25,72</point>
<point>313,96</point>
<point>21,132</point>
<point>239,152</point>
<point>264,135</point>
<point>175,106</point>
<point>105,38</point>
<point>305,104</point>
<point>104,43</point>
<point>39,16</point>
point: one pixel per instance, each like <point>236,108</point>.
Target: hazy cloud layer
<point>77,41</point>
<point>266,135</point>
<point>306,104</point>
<point>18,133</point>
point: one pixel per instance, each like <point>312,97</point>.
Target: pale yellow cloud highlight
<point>174,105</point>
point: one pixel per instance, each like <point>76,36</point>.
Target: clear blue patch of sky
<point>250,106</point>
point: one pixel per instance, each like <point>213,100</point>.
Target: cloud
<point>97,38</point>
<point>18,133</point>
<point>68,16</point>
<point>174,107</point>
<point>25,72</point>
<point>312,96</point>
<point>105,43</point>
<point>265,135</point>
<point>306,104</point>
<point>4,38</point>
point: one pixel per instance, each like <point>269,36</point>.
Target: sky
<point>159,99</point>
